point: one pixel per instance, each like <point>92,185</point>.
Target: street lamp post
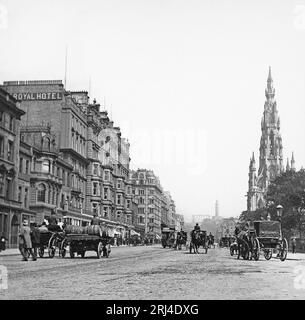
<point>279,212</point>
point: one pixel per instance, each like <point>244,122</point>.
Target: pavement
<point>154,273</point>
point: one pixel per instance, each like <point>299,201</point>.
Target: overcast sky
<point>184,79</point>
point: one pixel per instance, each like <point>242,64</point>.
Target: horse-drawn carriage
<point>199,239</point>
<point>226,241</point>
<point>82,239</point>
<point>168,238</point>
<point>262,236</point>
<point>181,240</point>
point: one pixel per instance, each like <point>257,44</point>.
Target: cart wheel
<point>268,254</point>
<point>72,254</point>
<point>82,254</point>
<point>256,249</point>
<point>99,250</point>
<point>41,252</point>
<point>51,252</point>
<point>284,250</point>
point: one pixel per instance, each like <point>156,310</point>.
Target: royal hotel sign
<point>32,96</point>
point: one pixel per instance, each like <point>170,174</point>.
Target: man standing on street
<point>25,243</point>
<point>294,245</point>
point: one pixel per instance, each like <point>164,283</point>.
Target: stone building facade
<point>11,190</point>
<point>74,163</point>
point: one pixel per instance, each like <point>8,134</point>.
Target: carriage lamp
<point>279,211</point>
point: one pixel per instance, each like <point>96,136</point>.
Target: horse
<point>198,238</point>
<point>181,240</point>
<point>243,245</point>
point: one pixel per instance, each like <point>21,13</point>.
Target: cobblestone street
<point>152,273</point>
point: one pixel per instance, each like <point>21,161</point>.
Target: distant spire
<point>269,75</point>
<point>292,162</point>
<point>287,166</point>
<point>269,92</point>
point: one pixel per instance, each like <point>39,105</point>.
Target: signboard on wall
<point>33,96</point>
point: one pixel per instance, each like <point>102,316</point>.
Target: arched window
<point>41,193</point>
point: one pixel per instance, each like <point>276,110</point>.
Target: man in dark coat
<point>35,238</point>
<point>25,243</point>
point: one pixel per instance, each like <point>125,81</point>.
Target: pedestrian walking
<point>25,243</point>
<point>294,245</point>
<point>35,238</point>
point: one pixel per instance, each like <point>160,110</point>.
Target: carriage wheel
<point>106,251</point>
<point>284,250</point>
<point>99,250</point>
<point>41,252</point>
<point>256,249</point>
<point>51,252</point>
<point>268,254</point>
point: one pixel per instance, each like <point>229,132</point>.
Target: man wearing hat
<point>25,243</point>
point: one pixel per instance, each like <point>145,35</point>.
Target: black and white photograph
<point>152,150</point>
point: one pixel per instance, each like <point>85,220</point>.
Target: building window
<point>1,183</point>
<point>1,116</point>
<point>151,201</point>
<point>8,188</point>
<point>94,208</point>
<point>105,193</point>
<point>45,166</point>
<point>1,147</point>
<point>10,150</point>
<point>118,215</point>
<point>151,220</point>
<point>128,204</point>
<point>141,210</point>
<point>141,200</point>
<point>106,175</point>
<point>119,184</point>
<point>27,167</point>
<point>95,169</point>
<point>19,193</point>
<point>95,184</point>
<point>141,219</point>
<point>11,124</point>
<point>151,210</point>
<point>21,165</point>
<point>141,192</point>
<point>41,193</point>
<point>105,210</point>
<point>26,195</point>
<point>119,199</point>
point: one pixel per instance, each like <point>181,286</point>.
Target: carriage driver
<point>197,227</point>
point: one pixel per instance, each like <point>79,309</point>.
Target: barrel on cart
<point>82,239</point>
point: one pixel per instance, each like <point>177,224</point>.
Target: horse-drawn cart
<point>168,238</point>
<point>270,239</point>
<point>199,238</point>
<point>80,243</point>
<point>82,239</point>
